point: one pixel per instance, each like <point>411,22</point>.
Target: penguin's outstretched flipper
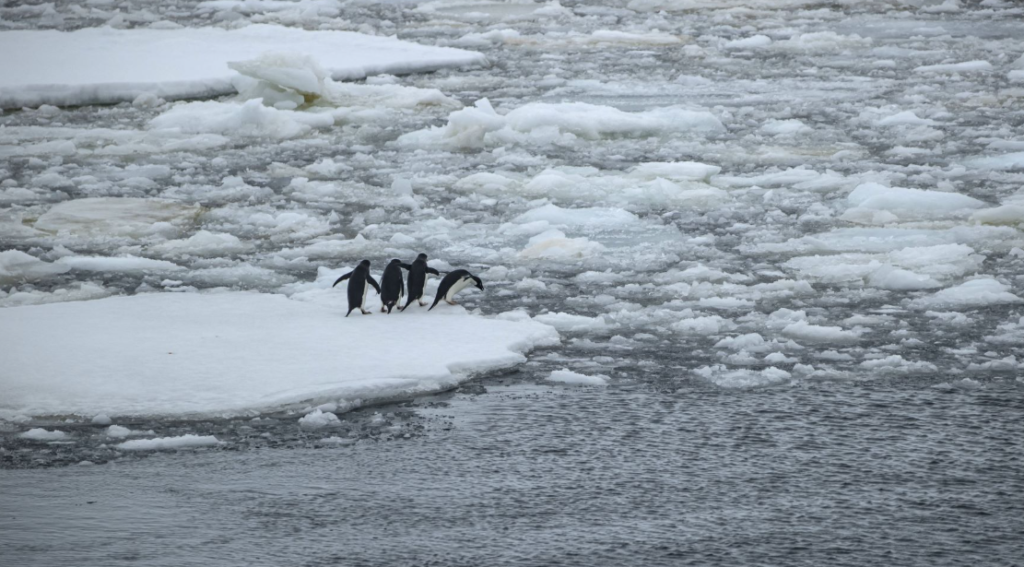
<point>342,278</point>
<point>373,282</point>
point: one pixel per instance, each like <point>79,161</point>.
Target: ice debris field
<point>694,194</point>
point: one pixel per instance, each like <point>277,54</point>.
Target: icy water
<point>893,473</point>
<point>796,373</point>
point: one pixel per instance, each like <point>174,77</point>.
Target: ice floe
<point>231,353</point>
<point>107,65</point>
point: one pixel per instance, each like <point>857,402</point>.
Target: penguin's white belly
<point>366,287</point>
<point>456,288</point>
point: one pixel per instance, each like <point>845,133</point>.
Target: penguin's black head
<point>365,263</point>
<point>396,261</point>
<point>421,257</point>
<point>478,282</point>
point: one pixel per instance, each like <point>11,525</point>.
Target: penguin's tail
<point>351,309</point>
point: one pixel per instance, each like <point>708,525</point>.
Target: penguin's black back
<point>417,279</point>
<point>391,286</point>
<point>446,283</point>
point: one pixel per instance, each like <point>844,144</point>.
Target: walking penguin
<point>453,283</point>
<point>392,289</point>
<point>418,278</point>
<point>357,280</point>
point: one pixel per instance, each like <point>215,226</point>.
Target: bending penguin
<point>418,272</point>
<point>392,289</point>
<point>453,283</point>
<point>357,280</point>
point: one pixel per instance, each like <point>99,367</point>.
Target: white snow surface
<point>232,352</point>
<point>107,65</point>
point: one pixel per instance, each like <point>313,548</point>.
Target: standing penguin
<point>357,280</point>
<point>392,289</point>
<point>453,283</point>
<point>418,278</point>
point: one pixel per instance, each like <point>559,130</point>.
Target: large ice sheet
<point>106,65</point>
<point>229,353</point>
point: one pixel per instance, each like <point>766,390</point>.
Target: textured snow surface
<point>106,65</point>
<point>226,353</point>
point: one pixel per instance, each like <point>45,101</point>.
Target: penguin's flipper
<point>373,282</point>
<point>406,266</point>
<point>342,278</point>
<point>433,271</point>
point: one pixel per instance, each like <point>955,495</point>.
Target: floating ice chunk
<point>965,67</point>
<point>101,216</point>
<point>297,72</point>
<point>725,302</point>
<point>1011,215</point>
<point>229,353</point>
<point>16,266</point>
<point>750,341</point>
<point>973,293</point>
<point>823,41</point>
<point>481,124</point>
<point>170,443</point>
<point>907,204</point>
<point>890,239</point>
<point>106,65</point>
<point>897,279</point>
<point>553,245</point>
<point>250,118</point>
<point>127,263</point>
<point>101,419</point>
<point>203,243</point>
<point>905,118</point>
<point>897,364</point>
<point>1015,76</point>
<point>592,218</point>
<point>1003,162</point>
<point>785,127</point>
<point>572,323</point>
<point>117,431</point>
<point>805,332</point>
<point>704,325</point>
<point>685,170</point>
<point>721,376</point>
<point>593,121</point>
<point>566,376</point>
<point>40,434</point>
<point>317,419</point>
<point>752,42</point>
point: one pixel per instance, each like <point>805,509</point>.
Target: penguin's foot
<point>423,303</point>
<point>365,312</point>
<point>451,302</point>
<point>383,309</point>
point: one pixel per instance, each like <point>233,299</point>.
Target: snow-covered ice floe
<point>234,353</point>
<point>106,65</point>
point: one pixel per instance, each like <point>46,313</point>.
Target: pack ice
<point>106,65</point>
<point>235,352</point>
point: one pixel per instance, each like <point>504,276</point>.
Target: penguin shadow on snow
<point>392,290</point>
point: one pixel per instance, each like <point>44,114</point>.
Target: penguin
<point>453,283</point>
<point>357,280</point>
<point>391,285</point>
<point>418,278</point>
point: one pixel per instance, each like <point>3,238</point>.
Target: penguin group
<point>392,289</point>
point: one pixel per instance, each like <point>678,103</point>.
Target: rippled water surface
<point>894,473</point>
